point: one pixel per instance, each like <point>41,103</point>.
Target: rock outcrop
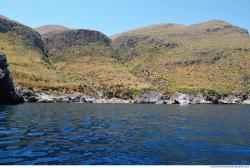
<point>31,96</point>
<point>230,100</point>
<point>182,99</point>
<point>59,41</point>
<point>145,97</point>
<point>151,97</point>
<point>8,94</point>
<point>246,101</point>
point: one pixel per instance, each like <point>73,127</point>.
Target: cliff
<point>8,94</point>
<point>59,41</point>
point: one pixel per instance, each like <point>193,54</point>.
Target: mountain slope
<point>86,58</point>
<point>73,60</point>
<point>209,57</point>
<point>25,32</point>
<point>25,53</point>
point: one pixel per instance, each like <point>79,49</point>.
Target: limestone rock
<point>150,97</point>
<point>182,99</point>
<point>246,101</point>
<point>200,99</point>
<point>230,100</point>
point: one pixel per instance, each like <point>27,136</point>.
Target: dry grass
<point>204,60</point>
<point>91,67</point>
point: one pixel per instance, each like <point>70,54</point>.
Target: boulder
<point>29,96</point>
<point>213,99</point>
<point>244,97</point>
<point>200,99</point>
<point>153,97</point>
<point>8,93</point>
<point>113,101</point>
<point>246,101</point>
<point>182,99</point>
<point>230,100</point>
<point>169,102</point>
<point>88,99</point>
<point>76,98</point>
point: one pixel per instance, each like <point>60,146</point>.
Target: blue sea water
<point>124,134</point>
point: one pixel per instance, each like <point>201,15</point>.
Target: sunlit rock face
<point>8,94</point>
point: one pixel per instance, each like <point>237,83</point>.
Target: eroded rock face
<point>8,94</point>
<point>59,41</point>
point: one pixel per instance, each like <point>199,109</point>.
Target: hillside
<point>86,58</point>
<point>209,57</point>
<point>79,60</point>
<point>29,65</point>
<point>26,33</point>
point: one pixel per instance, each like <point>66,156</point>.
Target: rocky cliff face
<point>26,32</point>
<point>8,94</point>
<point>59,41</point>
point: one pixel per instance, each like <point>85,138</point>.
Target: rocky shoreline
<point>147,97</point>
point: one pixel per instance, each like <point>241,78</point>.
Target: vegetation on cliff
<point>211,57</point>
<point>79,60</point>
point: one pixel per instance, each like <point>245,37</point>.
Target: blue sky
<point>115,16</point>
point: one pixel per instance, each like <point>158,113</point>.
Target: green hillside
<point>84,63</point>
<point>29,65</point>
<point>209,57</point>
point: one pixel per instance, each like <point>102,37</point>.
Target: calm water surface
<point>124,134</point>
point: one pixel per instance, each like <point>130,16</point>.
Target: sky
<point>116,16</point>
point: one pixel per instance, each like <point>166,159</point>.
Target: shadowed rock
<point>8,94</point>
